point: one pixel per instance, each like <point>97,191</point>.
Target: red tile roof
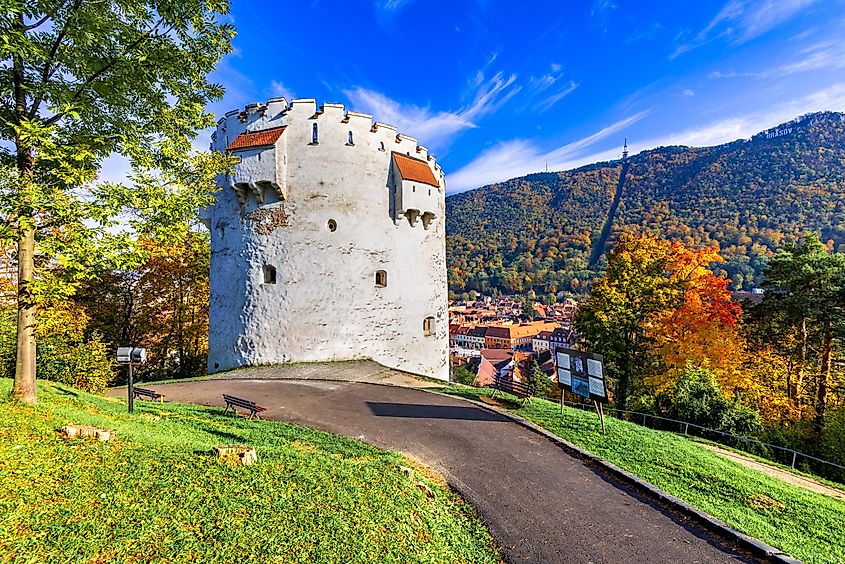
<point>498,332</point>
<point>252,139</point>
<point>497,355</point>
<point>415,169</point>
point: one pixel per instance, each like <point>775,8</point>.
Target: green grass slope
<point>158,494</point>
<point>802,523</point>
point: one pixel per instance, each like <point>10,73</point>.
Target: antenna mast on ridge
<point>625,150</point>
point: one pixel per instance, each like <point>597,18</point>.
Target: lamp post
<point>131,356</point>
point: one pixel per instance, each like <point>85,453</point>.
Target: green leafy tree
<point>806,291</point>
<point>539,379</point>
<point>614,321</point>
<point>79,81</point>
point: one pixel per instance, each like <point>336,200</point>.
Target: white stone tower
<point>327,242</point>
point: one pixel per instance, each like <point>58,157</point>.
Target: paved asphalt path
<point>541,504</point>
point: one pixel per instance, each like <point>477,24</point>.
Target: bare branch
<point>47,72</point>
<point>47,16</point>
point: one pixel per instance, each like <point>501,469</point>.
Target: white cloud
<point>543,93</point>
<point>279,89</point>
<point>821,56</point>
<point>557,96</point>
<point>689,92</point>
<point>744,126</point>
<point>755,19</point>
<point>729,74</point>
<point>517,157</point>
<point>436,129</point>
<point>115,168</point>
<point>392,4</point>
<point>744,20</point>
<point>826,56</point>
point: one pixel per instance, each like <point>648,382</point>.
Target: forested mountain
<point>749,197</point>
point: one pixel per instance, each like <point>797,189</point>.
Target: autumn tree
<point>704,329</point>
<point>617,318</point>
<point>161,305</point>
<point>79,81</point>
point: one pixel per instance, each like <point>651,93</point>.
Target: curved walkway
<point>541,504</point>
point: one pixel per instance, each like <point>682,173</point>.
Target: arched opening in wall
<point>381,278</point>
<point>331,225</point>
<point>349,139</point>
<point>269,274</point>
<point>381,145</point>
<point>314,136</point>
<point>428,327</point>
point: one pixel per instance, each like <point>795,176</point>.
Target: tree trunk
<point>824,376</point>
<point>25,362</point>
<point>798,382</point>
<point>24,388</point>
<point>624,379</point>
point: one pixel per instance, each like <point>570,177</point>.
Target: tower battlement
<point>278,111</point>
<point>328,241</point>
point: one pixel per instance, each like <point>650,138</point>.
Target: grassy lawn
<point>804,524</point>
<point>157,493</point>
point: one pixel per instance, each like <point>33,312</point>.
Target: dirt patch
<point>497,402</point>
<point>794,479</point>
<point>762,501</point>
<point>426,471</point>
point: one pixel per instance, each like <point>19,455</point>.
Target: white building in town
<point>327,242</point>
<point>540,342</point>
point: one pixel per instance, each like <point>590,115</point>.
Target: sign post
<point>582,373</point>
<point>131,356</point>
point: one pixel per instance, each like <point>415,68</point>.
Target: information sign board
<point>581,373</point>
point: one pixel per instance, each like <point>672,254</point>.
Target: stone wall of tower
<point>326,229</point>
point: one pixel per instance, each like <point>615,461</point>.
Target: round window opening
<point>331,225</point>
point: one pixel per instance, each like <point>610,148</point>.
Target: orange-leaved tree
<point>704,329</point>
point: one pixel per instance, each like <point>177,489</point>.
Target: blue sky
<point>499,89</point>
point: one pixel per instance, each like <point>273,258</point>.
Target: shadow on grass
<point>66,392</point>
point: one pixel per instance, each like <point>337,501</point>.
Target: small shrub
<point>539,379</point>
<point>697,398</point>
<point>462,375</point>
<point>64,353</point>
<point>832,444</point>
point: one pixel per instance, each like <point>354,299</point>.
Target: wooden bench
<point>514,387</point>
<point>144,393</point>
<point>234,402</point>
